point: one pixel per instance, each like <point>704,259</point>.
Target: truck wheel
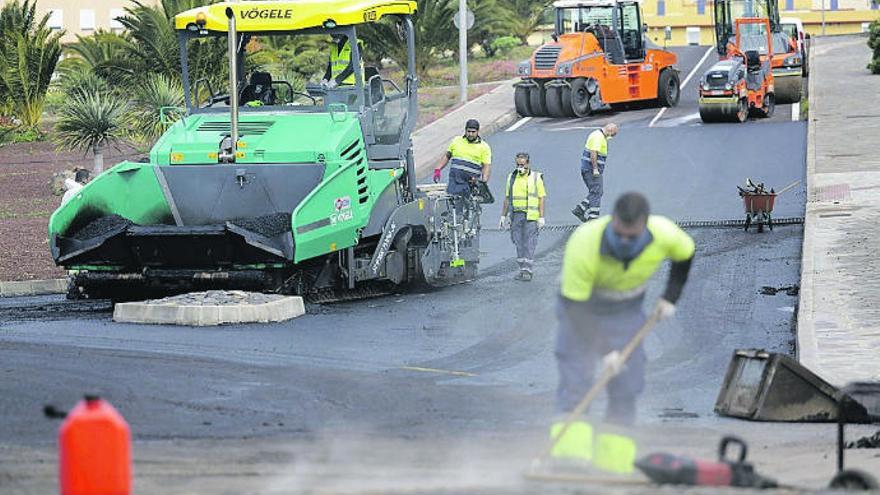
<point>521,101</point>
<point>565,98</point>
<point>769,105</point>
<point>538,101</point>
<point>553,98</point>
<point>580,98</point>
<point>742,110</point>
<point>668,88</point>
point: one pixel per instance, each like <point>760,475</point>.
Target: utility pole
<point>462,48</point>
<point>823,17</point>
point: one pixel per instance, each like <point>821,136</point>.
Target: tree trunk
<point>99,160</point>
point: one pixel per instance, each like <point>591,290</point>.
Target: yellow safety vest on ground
<point>585,268</point>
<point>524,193</point>
<point>607,451</point>
<point>469,157</point>
<point>340,59</point>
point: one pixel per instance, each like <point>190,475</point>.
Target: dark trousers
<point>580,346</point>
<point>593,201</point>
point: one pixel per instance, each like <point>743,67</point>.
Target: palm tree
<point>92,122</point>
<point>153,47</point>
<point>434,32</point>
<point>104,53</point>
<point>29,52</point>
<point>526,16</point>
<point>157,95</point>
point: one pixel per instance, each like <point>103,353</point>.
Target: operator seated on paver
<point>471,159</point>
<point>605,271</point>
<point>523,212</point>
<point>340,69</point>
<point>592,171</point>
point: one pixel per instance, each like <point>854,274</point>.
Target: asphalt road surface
<point>451,390</point>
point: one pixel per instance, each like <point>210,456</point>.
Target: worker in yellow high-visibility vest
<point>593,171</point>
<point>523,212</point>
<point>605,269</point>
<point>340,69</point>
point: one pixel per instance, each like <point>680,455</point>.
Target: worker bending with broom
<point>606,267</point>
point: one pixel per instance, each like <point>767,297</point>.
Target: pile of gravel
<point>872,442</point>
<point>217,298</point>
<point>266,225</point>
<point>101,226</point>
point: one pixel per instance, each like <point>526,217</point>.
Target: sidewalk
<point>494,110</point>
<point>839,315</point>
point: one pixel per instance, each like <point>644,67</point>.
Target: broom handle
<point>786,188</point>
<point>600,384</point>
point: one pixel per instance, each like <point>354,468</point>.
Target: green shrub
<point>874,44</point>
<point>505,44</point>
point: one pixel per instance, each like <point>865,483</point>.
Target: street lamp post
<point>462,47</point>
<point>823,17</point>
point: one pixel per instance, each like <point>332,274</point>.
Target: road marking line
<point>796,111</point>
<point>519,124</point>
<point>574,128</point>
<point>435,370</point>
<point>700,63</point>
<point>657,117</point>
<point>686,80</point>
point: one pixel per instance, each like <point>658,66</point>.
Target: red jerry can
<point>94,450</point>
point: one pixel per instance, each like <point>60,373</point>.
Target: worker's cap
<point>472,124</point>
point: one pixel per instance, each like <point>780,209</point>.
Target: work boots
<point>523,276</point>
<point>580,213</point>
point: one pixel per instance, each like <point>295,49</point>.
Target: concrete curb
<point>276,311</point>
<point>806,346</point>
<point>33,287</point>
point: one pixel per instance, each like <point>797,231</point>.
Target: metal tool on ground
<point>582,406</point>
<point>864,394</point>
<point>758,203</point>
<point>766,386</point>
<point>668,469</point>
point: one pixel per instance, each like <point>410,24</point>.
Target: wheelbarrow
<point>759,209</point>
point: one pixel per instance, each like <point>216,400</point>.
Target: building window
<point>87,20</point>
<point>875,4</point>
<point>693,35</point>
<point>833,4</point>
<point>661,7</point>
<point>789,4</point>
<point>701,7</point>
<point>114,15</point>
<point>56,19</point>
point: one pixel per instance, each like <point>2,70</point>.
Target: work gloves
<point>613,363</point>
<point>328,84</point>
<point>596,172</point>
<point>504,223</point>
<point>541,223</point>
<point>437,175</point>
<point>664,309</point>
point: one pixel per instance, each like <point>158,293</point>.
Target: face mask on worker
<point>623,248</point>
<point>522,169</point>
